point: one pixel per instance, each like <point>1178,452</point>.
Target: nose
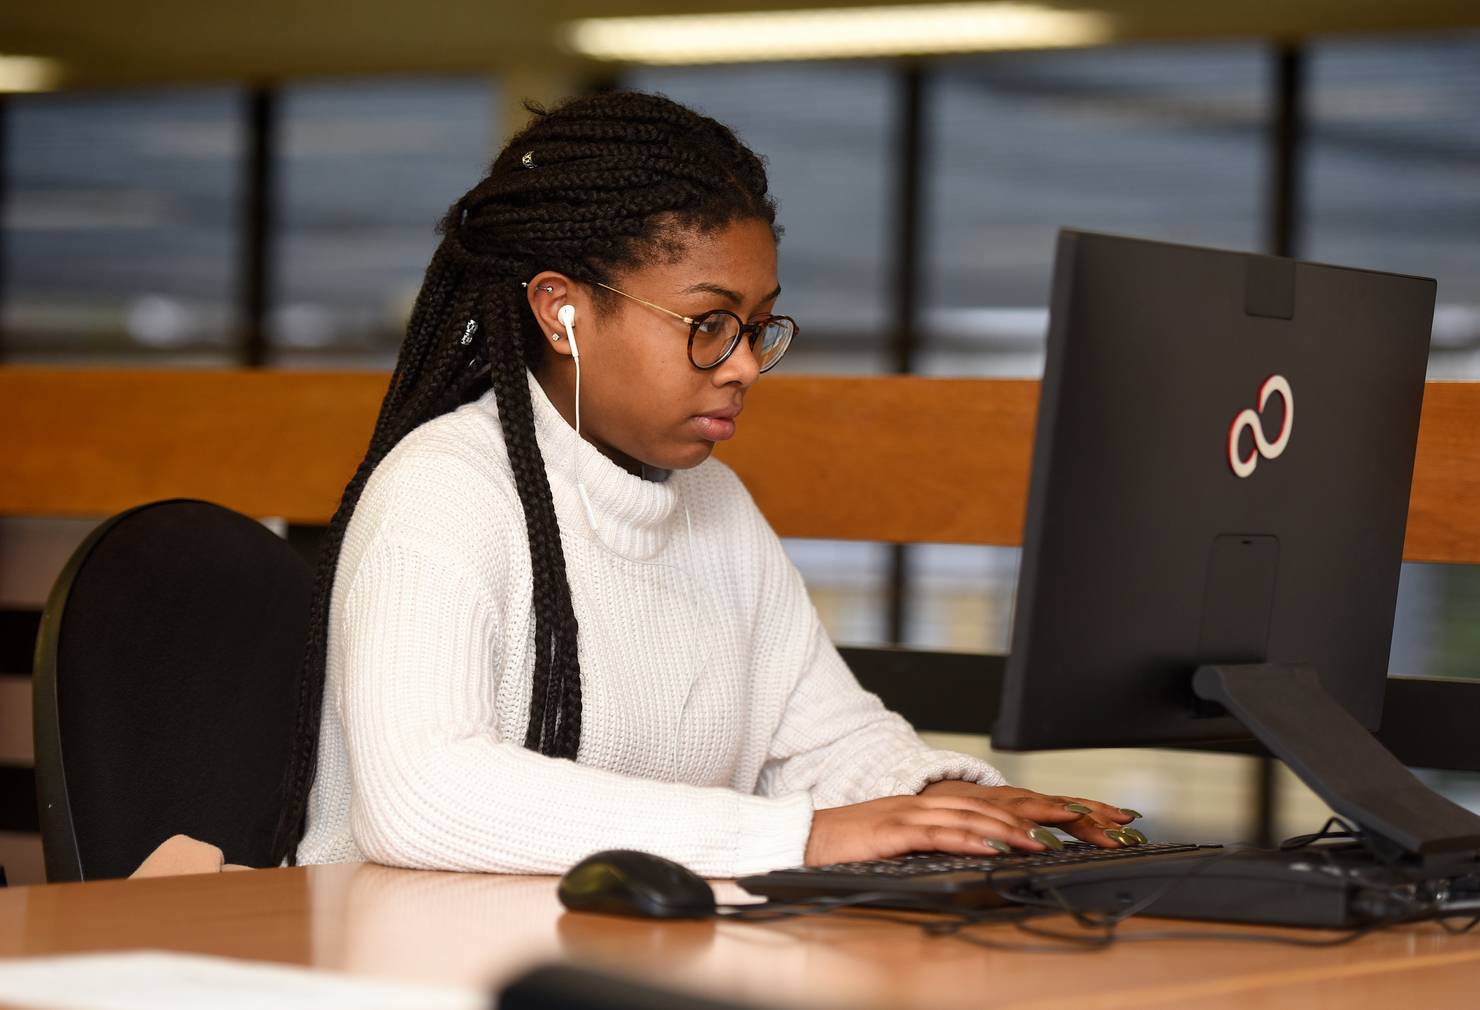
<point>740,367</point>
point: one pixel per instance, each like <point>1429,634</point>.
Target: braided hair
<point>597,185</point>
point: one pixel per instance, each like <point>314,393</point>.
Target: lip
<point>717,425</point>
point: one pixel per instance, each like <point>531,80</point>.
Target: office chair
<point>165,688</point>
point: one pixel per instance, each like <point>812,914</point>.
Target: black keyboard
<point>1333,885</point>
<point>946,878</point>
<point>919,863</point>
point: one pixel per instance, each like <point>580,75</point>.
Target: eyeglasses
<point>714,335</point>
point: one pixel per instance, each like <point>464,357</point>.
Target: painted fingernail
<point>1077,808</point>
<point>999,846</point>
<point>1135,834</point>
<point>1117,835</point>
<point>1134,814</point>
<point>1043,836</point>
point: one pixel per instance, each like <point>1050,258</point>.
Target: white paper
<point>164,980</point>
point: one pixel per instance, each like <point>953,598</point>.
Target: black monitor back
<point>1145,553</point>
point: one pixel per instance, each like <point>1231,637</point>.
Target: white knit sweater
<point>716,713</point>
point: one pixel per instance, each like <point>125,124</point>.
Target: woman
<point>546,623</point>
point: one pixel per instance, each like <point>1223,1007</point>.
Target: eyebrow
<point>734,297</point>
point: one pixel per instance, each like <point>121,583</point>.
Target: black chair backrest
<point>166,688</point>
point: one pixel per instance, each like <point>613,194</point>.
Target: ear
<point>547,292</point>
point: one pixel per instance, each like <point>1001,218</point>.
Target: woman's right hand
<point>896,825</point>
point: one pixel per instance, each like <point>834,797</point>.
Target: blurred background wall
<point>206,186</point>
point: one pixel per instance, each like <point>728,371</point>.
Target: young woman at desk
<point>546,622</point>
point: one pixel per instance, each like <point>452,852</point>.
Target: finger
<point>1051,809</point>
<point>1088,820</point>
<point>1028,827</point>
<point>1087,827</point>
<point>1081,819</point>
<point>1008,813</point>
<point>906,838</point>
<point>1024,833</point>
<point>1016,832</point>
<point>1105,835</point>
<point>1104,811</point>
<point>1058,810</point>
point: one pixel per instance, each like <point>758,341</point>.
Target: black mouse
<point>628,882</point>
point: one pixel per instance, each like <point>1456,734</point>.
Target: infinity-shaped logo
<point>1249,418</point>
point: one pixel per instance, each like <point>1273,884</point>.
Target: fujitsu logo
<point>1249,418</point>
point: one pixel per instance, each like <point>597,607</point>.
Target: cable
<point>701,660</point>
<point>1113,936</point>
<point>1100,929</point>
<point>1200,866</point>
<point>1107,923</point>
<point>847,907</point>
<point>770,911</point>
<point>1449,927</point>
<point>1296,842</point>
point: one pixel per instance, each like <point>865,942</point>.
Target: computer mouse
<point>629,882</point>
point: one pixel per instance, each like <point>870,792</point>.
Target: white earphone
<point>567,316</point>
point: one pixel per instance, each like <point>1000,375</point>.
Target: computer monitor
<point>1219,493</point>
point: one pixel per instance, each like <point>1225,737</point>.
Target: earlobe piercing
<point>554,336</point>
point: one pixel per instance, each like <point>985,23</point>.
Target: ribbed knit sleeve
<point>434,785</point>
<point>836,740</point>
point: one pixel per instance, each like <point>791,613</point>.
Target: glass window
<point>848,582</point>
<point>961,597</point>
<point>121,226</point>
<point>1436,631</point>
<point>1393,173</point>
<point>1164,142</point>
<point>1157,141</point>
<point>367,170</point>
<point>1393,183</point>
<point>831,168</point>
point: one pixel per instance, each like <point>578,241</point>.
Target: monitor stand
<point>1288,710</point>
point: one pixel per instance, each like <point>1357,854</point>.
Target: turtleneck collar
<point>632,514</point>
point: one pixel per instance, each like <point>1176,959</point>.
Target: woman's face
<point>642,401</point>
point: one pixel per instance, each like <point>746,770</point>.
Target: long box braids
<point>596,185</point>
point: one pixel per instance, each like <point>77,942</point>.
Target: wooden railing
<point>887,458</point>
<point>899,459</point>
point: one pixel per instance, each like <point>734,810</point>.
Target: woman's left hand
<point>1087,820</point>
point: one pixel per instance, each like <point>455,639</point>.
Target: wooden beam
<point>894,458</point>
<point>1444,506</point>
<point>92,442</point>
<point>889,458</point>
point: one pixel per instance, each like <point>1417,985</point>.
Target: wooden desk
<point>474,930</point>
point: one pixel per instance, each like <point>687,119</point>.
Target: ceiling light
<point>835,33</point>
<point>27,73</point>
